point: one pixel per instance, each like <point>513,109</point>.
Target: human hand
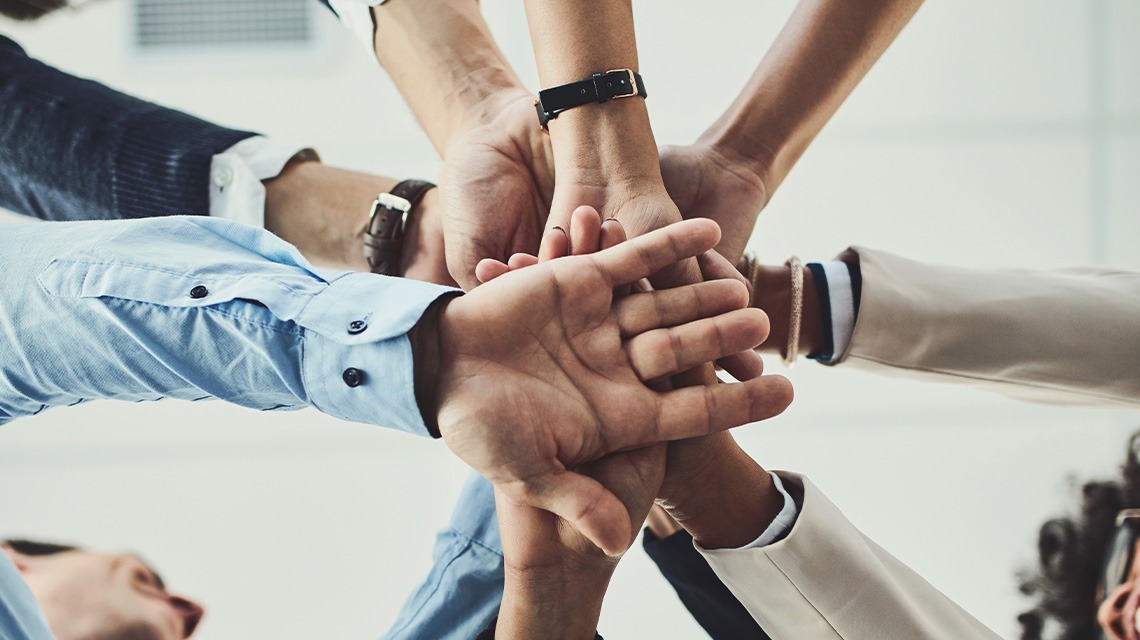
<point>542,370</point>
<point>497,181</point>
<point>705,182</point>
<point>555,577</point>
<point>724,498</point>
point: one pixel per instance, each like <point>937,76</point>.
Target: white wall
<point>991,133</point>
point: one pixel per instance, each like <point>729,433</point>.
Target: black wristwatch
<point>600,87</point>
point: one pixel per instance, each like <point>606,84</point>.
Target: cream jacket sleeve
<point>1070,336</point>
<point>827,581</point>
<point>1063,336</point>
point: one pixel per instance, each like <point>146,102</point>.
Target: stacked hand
<point>555,578</point>
<point>497,182</point>
<point>544,370</point>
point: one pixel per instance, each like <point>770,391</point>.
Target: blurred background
<point>989,134</point>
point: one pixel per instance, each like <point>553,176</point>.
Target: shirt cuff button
<point>353,377</point>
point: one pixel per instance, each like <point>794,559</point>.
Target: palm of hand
<point>568,382</point>
<point>496,185</point>
<point>703,183</point>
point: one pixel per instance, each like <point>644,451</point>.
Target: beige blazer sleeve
<point>1065,336</point>
<point>826,581</point>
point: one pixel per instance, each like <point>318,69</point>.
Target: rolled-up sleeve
<point>196,308</point>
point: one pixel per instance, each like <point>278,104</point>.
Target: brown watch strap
<point>384,235</point>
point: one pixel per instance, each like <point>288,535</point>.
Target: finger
<point>584,503</point>
<point>648,254</point>
<point>699,411</point>
<point>585,230</point>
<point>716,267</point>
<point>664,352</point>
<point>671,307</point>
<point>613,234</point>
<point>745,365</point>
<point>555,244</point>
<point>521,260</point>
<point>488,269</point>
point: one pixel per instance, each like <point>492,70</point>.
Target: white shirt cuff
<point>356,16</point>
<point>236,191</point>
<point>783,522</point>
<point>842,301</point>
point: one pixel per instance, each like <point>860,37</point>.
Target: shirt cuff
<point>356,16</point>
<point>236,190</point>
<point>837,308</point>
<point>344,380</point>
<point>782,524</point>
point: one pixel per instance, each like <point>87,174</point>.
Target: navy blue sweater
<point>73,149</point>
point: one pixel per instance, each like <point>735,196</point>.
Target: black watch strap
<point>600,87</point>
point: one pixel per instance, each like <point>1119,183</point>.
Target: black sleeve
<point>73,149</point>
<point>711,604</point>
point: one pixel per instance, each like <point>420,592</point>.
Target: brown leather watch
<point>388,223</point>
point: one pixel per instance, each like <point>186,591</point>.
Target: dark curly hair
<point>1070,551</point>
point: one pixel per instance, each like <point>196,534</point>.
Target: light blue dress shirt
<point>462,592</point>
<point>196,308</point>
<point>21,617</point>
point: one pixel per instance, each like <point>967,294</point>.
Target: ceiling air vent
<point>181,24</point>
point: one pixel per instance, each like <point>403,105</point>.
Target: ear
<point>16,557</point>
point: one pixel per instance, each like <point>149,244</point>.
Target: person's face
<point>95,596</point>
<point>1119,614</point>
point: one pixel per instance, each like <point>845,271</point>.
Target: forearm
<point>552,606</point>
<point>823,52</point>
<point>323,211</point>
<point>604,147</point>
<point>442,58</point>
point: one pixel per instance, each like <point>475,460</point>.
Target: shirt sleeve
<point>782,523</point>
<point>236,174</point>
<point>356,16</point>
<point>827,580</point>
<point>838,305</point>
<point>74,149</point>
<point>21,617</point>
<point>196,308</point>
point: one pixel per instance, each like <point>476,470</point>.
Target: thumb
<point>584,503</point>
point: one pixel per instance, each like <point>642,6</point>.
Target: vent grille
<point>221,23</point>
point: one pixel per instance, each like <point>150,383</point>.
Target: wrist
<point>606,143</point>
<point>443,59</point>
<point>552,605</point>
<point>323,211</point>
<point>772,294</point>
<point>727,500</point>
<point>428,361</point>
<point>752,153</point>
